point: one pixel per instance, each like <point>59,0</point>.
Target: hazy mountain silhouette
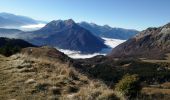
<point>11,20</point>
<point>109,32</point>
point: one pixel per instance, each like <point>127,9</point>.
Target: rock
<point>30,81</point>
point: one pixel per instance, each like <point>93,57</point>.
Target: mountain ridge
<point>152,43</point>
<point>109,32</point>
<point>12,20</point>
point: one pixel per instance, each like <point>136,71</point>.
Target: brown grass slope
<point>42,74</point>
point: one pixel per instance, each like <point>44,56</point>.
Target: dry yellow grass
<point>151,90</point>
<point>167,59</point>
<point>166,85</point>
<point>27,78</point>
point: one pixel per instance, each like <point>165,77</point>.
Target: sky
<point>130,14</point>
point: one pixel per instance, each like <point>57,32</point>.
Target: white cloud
<point>33,26</point>
<point>112,42</point>
<point>78,54</point>
<point>108,41</point>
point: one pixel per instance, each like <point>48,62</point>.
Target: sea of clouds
<point>111,43</point>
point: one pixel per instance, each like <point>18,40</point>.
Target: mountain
<point>11,20</point>
<point>153,43</point>
<point>11,46</point>
<point>9,33</point>
<point>109,32</point>
<point>66,35</point>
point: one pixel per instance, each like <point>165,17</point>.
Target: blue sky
<point>133,14</point>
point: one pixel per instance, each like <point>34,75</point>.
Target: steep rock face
<point>151,43</point>
<point>109,32</point>
<point>66,35</point>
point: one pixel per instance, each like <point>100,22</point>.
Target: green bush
<point>128,85</point>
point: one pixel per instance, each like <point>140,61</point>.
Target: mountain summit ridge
<point>152,43</point>
<point>109,32</point>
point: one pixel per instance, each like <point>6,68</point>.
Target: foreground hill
<point>43,74</point>
<point>109,32</point>
<point>151,43</point>
<point>11,20</point>
<point>65,35</point>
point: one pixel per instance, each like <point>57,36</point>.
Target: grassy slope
<point>23,78</point>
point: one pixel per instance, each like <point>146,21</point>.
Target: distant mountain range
<point>65,35</point>
<point>151,43</point>
<point>10,33</point>
<point>11,20</point>
<point>109,32</point>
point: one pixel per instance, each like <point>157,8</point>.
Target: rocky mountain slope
<point>65,35</point>
<point>109,32</point>
<point>151,43</point>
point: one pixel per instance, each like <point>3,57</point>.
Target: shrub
<point>128,85</point>
<point>8,50</point>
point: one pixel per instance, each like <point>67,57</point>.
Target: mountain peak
<point>54,23</point>
<point>107,26</point>
<point>167,25</point>
<point>60,23</point>
<point>69,21</point>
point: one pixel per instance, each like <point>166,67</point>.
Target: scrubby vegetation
<point>112,71</point>
<point>128,86</point>
<point>9,50</point>
<point>9,47</point>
